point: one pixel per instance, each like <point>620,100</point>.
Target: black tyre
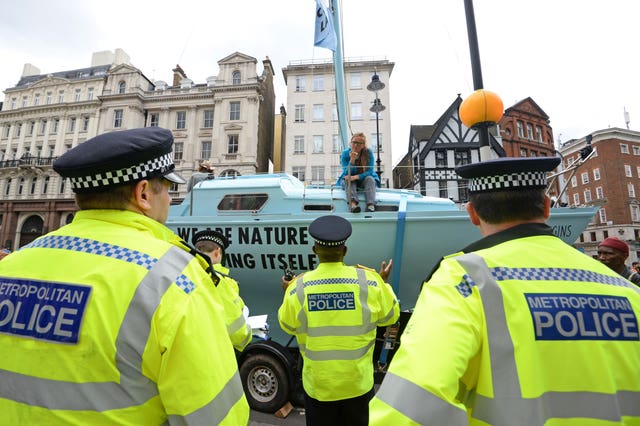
<point>265,383</point>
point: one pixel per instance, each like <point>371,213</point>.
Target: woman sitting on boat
<point>358,173</point>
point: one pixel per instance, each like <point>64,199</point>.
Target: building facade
<point>610,178</point>
<point>228,120</point>
<point>525,131</point>
<point>313,144</point>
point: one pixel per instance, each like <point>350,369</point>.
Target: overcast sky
<point>577,59</point>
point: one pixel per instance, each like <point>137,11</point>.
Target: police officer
<point>519,328</point>
<point>213,244</point>
<point>108,319</point>
<point>334,311</point>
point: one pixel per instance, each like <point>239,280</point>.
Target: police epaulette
<point>366,268</point>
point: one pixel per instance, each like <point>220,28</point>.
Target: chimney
<point>178,74</point>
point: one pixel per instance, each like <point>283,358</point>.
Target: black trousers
<point>347,412</point>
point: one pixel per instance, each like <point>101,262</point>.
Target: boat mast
<point>338,66</point>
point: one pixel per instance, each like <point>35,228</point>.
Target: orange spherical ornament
<point>482,106</point>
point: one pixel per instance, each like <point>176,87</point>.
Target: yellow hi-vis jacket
<point>237,327</point>
<point>333,311</point>
<point>521,330</point>
<point>108,321</point>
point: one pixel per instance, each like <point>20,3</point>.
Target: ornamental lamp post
<point>377,107</point>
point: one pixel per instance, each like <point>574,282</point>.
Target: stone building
<point>228,120</point>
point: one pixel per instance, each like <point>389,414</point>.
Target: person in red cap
<point>613,252</point>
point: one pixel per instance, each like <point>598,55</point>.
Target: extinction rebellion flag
<point>325,35</point>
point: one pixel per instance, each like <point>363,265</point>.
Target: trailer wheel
<point>265,383</point>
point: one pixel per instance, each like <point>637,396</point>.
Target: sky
<point>577,59</point>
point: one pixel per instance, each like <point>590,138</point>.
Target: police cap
<point>118,158</point>
<point>508,173</point>
<point>330,231</point>
<point>210,235</point>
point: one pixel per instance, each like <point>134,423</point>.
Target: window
<point>154,119</point>
<point>32,187</point>
<point>318,144</point>
<point>72,125</point>
<point>539,134</point>
<point>205,151</point>
<point>32,126</point>
<point>624,148</point>
<point>232,144</point>
<point>20,185</point>
<point>318,112</point>
<point>462,157</point>
<point>317,173</point>
<point>45,185</point>
<point>356,110</point>
<point>54,125</point>
<point>117,118</point>
<point>8,187</point>
<point>356,80</point>
<point>596,174</point>
<point>90,94</point>
<point>529,132</point>
<point>208,119</point>
<point>635,213</point>
<point>318,83</point>
<point>441,158</point>
<point>251,202</point>
<point>587,195</point>
<point>585,177</point>
<point>235,78</point>
<point>603,215</point>
<point>576,199</point>
<point>43,127</point>
<point>442,189</point>
<point>336,171</point>
<point>298,171</point>
<point>181,120</point>
<point>85,124</point>
<point>60,96</point>
<point>18,130</point>
<point>463,190</point>
<point>48,99</point>
<point>334,112</point>
<point>632,190</point>
<point>533,153</point>
<point>62,182</point>
<point>122,86</point>
<point>636,150</point>
<point>523,152</point>
<point>336,144</point>
<point>301,83</point>
<point>627,170</point>
<point>574,181</point>
<point>25,101</point>
<point>13,103</point>
<point>592,235</point>
<point>7,129</point>
<point>178,149</point>
<point>520,127</point>
<point>374,142</point>
<point>234,110</point>
<point>298,144</point>
<point>638,171</point>
<point>599,193</point>
<point>36,100</point>
<point>299,113</point>
<point>76,96</point>
<point>52,149</point>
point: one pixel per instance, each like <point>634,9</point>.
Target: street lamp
<point>377,107</point>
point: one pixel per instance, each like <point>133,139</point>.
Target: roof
<point>77,74</point>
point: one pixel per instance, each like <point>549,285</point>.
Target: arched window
<point>121,87</point>
<point>31,229</point>
<point>236,77</point>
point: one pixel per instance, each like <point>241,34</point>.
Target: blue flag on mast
<point>325,35</point>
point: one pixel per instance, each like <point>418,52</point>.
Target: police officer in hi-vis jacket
<point>112,319</point>
<point>518,328</point>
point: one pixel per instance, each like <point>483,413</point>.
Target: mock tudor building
<point>228,120</point>
<point>611,178</point>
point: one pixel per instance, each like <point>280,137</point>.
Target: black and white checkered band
<point>330,243</point>
<point>216,240</point>
<point>129,174</point>
<point>510,181</point>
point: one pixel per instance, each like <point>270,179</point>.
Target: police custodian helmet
<point>330,230</point>
<point>118,158</point>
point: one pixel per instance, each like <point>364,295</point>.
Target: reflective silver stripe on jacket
<point>337,330</point>
<point>134,388</point>
<point>508,407</point>
<point>417,404</point>
<point>215,411</point>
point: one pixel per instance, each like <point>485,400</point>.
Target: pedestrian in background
<point>109,320</point>
<point>213,244</point>
<point>614,252</point>
<point>333,311</point>
<point>205,171</point>
<point>519,328</point>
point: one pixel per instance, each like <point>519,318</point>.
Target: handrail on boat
<point>572,168</point>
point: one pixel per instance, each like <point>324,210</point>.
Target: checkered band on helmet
<point>330,243</point>
<point>213,238</point>
<point>520,180</point>
<point>151,167</point>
